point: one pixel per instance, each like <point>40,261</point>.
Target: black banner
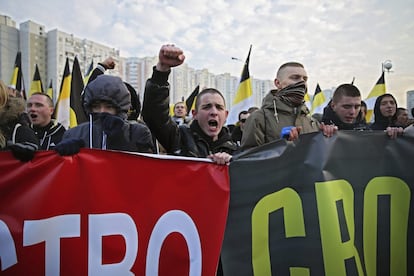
<point>322,206</point>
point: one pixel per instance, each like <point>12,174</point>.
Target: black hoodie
<point>381,122</point>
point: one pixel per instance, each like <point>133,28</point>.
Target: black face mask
<point>293,94</point>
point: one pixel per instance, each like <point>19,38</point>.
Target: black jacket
<point>178,140</point>
<point>134,137</point>
<point>236,135</point>
<point>50,135</point>
<point>106,131</point>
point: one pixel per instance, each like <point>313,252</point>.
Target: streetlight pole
<point>387,65</point>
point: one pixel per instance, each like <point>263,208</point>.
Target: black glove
<point>23,151</point>
<point>111,124</point>
<point>69,146</point>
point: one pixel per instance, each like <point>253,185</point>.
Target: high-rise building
<point>9,37</point>
<point>261,87</point>
<point>137,71</point>
<point>33,39</point>
<point>228,85</point>
<point>61,45</point>
<point>49,51</point>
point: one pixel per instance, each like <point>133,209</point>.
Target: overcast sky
<point>335,40</point>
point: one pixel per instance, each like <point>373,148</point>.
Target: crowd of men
<point>109,103</point>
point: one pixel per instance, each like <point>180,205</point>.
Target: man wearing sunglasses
<point>237,133</point>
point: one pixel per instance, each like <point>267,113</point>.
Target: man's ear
<point>277,83</point>
<point>194,113</point>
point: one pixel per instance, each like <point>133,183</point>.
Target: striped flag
<point>378,90</point>
<point>171,109</point>
<point>63,104</point>
<point>307,100</point>
<point>88,73</point>
<point>17,81</point>
<point>318,102</point>
<point>49,91</point>
<point>244,95</point>
<point>77,114</point>
<point>37,85</point>
<point>190,101</point>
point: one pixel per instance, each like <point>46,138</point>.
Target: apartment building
<point>50,49</point>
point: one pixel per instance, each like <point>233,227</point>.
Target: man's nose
<point>214,111</point>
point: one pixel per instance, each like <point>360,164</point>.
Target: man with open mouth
<point>49,131</point>
<point>206,136</point>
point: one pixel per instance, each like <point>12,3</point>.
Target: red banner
<point>111,213</point>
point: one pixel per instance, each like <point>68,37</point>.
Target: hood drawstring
<point>90,131</point>
<point>275,114</point>
<point>103,140</point>
<point>43,140</point>
<point>49,140</point>
<point>104,136</point>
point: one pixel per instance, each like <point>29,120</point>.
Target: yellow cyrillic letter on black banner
<point>289,200</point>
<point>400,206</point>
<point>335,252</point>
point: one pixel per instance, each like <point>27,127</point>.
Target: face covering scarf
<point>293,94</point>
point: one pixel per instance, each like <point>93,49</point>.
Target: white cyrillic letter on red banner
<point>107,225</point>
<point>50,231</point>
<point>174,221</point>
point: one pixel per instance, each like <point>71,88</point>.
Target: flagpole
<point>243,98</point>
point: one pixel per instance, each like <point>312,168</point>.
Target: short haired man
<point>283,107</point>
<point>344,108</point>
<point>180,113</point>
<point>49,131</point>
<point>402,117</point>
<point>205,136</point>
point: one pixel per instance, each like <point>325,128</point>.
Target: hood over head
<point>377,111</point>
<point>107,88</point>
